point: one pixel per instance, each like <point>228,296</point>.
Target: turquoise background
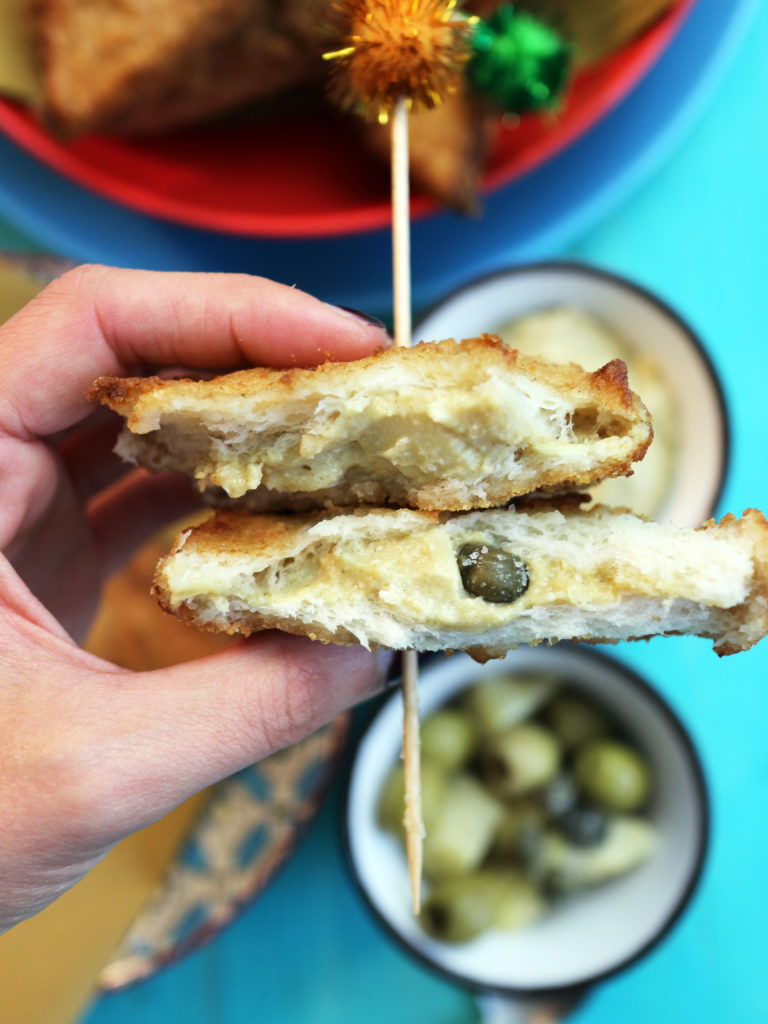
<point>696,232</point>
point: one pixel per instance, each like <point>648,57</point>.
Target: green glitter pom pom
<point>518,62</point>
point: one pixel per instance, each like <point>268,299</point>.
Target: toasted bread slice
<point>147,65</point>
<point>442,425</point>
<point>392,578</point>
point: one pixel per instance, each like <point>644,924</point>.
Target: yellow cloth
<point>18,73</point>
<point>16,287</point>
<point>49,964</point>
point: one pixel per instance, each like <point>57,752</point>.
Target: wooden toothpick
<point>394,55</point>
<point>401,281</point>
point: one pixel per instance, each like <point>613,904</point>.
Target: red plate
<point>305,176</point>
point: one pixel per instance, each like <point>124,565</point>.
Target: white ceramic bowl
<point>588,937</point>
<point>647,325</point>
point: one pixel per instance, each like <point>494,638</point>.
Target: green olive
<point>392,798</point>
<point>489,572</point>
<point>575,719</point>
<point>498,702</point>
<point>518,831</point>
<point>459,835</point>
<point>613,774</point>
<point>448,737</point>
<point>520,901</point>
<point>459,909</point>
<point>521,759</point>
<point>563,867</point>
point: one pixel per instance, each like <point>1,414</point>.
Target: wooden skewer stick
<point>401,278</point>
<point>401,225</point>
<point>412,820</point>
<point>394,54</point>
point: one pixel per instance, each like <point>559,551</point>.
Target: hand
<point>91,752</point>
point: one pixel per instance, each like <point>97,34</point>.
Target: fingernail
<point>363,318</point>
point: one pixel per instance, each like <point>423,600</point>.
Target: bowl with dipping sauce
<point>570,312</point>
<point>566,819</point>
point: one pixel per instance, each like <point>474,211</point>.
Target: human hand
<point>91,752</point>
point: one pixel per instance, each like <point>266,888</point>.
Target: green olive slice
<point>491,573</point>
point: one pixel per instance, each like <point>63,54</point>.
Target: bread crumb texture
<point>443,425</point>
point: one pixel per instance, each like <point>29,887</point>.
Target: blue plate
<point>531,218</point>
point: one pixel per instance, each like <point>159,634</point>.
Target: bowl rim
<point>613,279</point>
<point>701,789</point>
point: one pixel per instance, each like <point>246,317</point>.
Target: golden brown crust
<point>755,526</point>
<point>610,382</point>
<point>235,531</point>
<point>248,625</point>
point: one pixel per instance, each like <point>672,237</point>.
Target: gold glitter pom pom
<point>393,49</point>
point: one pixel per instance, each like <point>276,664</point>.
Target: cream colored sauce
<point>421,432</point>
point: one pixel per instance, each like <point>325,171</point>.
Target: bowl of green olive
<point>566,820</point>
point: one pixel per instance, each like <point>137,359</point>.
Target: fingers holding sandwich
<point>94,752</point>
<point>198,722</point>
<point>97,320</point>
<point>56,447</point>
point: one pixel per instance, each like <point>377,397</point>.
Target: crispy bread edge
<point>610,382</point>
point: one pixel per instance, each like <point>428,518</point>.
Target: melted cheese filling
<point>422,433</point>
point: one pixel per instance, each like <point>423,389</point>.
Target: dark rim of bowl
<point>700,785</point>
<point>587,270</point>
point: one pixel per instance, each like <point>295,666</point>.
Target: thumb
<point>174,731</point>
<point>92,752</point>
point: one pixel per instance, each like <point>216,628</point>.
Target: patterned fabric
<point>249,827</point>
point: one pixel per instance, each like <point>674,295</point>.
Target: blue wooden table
<point>307,952</point>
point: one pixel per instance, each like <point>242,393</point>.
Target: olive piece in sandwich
<point>490,572</point>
